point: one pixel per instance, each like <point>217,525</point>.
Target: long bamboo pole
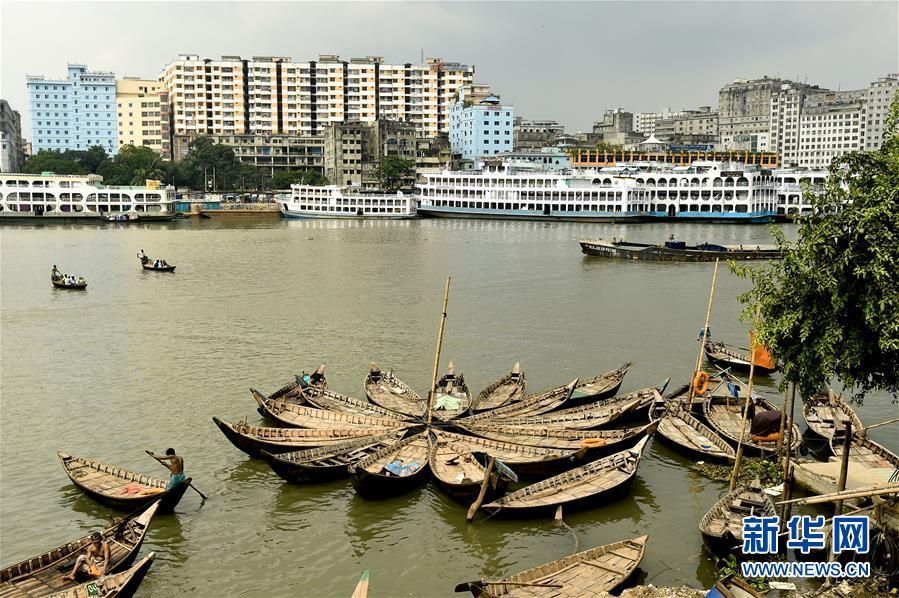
<point>877,425</point>
<point>437,354</point>
<point>736,471</point>
<point>789,431</point>
<point>844,466</point>
<point>708,315</point>
<point>845,494</point>
<point>783,420</point>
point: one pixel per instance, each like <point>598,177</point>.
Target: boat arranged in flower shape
<point>536,404</point>
<point>253,440</point>
<point>724,415</point>
<point>827,412</point>
<point>507,389</point>
<point>597,442</point>
<point>333,401</point>
<point>327,463</point>
<point>722,526</point>
<point>864,452</point>
<point>599,387</point>
<point>301,416</point>
<point>452,398</point>
<point>457,470</point>
<point>388,391</point>
<point>593,483</point>
<point>293,391</point>
<point>120,488</point>
<point>43,574</point>
<point>686,434</point>
<point>115,585</point>
<point>587,573</point>
<point>394,469</point>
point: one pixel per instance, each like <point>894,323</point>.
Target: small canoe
<point>827,412</point>
<point>148,264</point>
<point>724,415</point>
<point>727,357</point>
<point>536,404</point>
<point>253,440</point>
<point>327,463</point>
<point>388,391</point>
<point>115,585</point>
<point>598,442</point>
<point>43,574</point>
<point>457,471</point>
<point>686,434</point>
<point>524,460</point>
<point>120,488</point>
<point>394,469</point>
<point>722,526</point>
<point>588,573</point>
<point>61,283</point>
<point>864,452</point>
<point>451,387</point>
<point>300,416</point>
<point>507,389</point>
<point>334,401</point>
<point>594,483</point>
<point>599,387</point>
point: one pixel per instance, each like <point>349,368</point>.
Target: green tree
<point>394,172</point>
<point>52,161</point>
<point>830,307</point>
<point>285,178</point>
<point>90,159</point>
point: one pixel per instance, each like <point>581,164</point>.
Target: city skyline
<point>841,45</point>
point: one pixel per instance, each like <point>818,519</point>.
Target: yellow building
<point>142,115</point>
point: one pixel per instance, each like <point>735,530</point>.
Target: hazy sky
<point>567,61</point>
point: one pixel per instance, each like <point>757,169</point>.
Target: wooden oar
<point>203,496</point>
<point>889,421</point>
<point>361,590</point>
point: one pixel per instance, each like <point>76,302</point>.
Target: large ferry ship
<point>331,201</point>
<point>703,191</point>
<point>76,197</point>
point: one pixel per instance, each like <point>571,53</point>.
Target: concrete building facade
<point>535,134</point>
<point>482,129</point>
<point>142,115</point>
<point>878,98</point>
<point>744,113</point>
<point>12,155</point>
<point>689,126</point>
<point>74,113</point>
<point>274,153</point>
<point>352,150</point>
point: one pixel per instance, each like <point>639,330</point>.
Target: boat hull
<point>611,217</point>
<point>297,473</point>
<point>371,485</point>
<point>293,215</point>
<point>584,502</point>
<point>641,252</point>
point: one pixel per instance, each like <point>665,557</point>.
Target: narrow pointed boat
<point>149,264</point>
<point>864,452</point>
<point>722,526</point>
<point>253,440</point>
<point>393,470</point>
<point>333,401</point>
<point>61,283</point>
<point>526,461</point>
<point>588,573</point>
<point>43,574</point>
<point>601,386</point>
<point>724,415</point>
<point>327,463</point>
<point>301,416</point>
<point>457,471</point>
<point>388,391</point>
<point>361,590</point>
<point>598,442</point>
<point>727,357</point>
<point>452,385</point>
<point>507,389</point>
<point>536,404</point>
<point>687,435</point>
<point>827,412</point>
<point>115,585</point>
<point>120,488</point>
<point>594,483</point>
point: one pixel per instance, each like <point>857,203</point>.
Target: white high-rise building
<point>879,96</point>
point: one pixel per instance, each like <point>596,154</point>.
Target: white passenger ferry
<point>74,197</point>
<point>703,191</point>
<point>331,201</point>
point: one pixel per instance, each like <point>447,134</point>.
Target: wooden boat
<point>588,573</point>
<point>388,391</point>
<point>864,452</point>
<point>119,488</point>
<point>333,401</point>
<point>43,574</point>
<point>678,251</point>
<point>722,526</point>
<point>598,442</point>
<point>148,264</point>
<point>253,440</point>
<point>507,389</point>
<point>727,357</point>
<point>827,412</point>
<point>724,415</point>
<point>301,416</point>
<point>686,434</point>
<point>593,483</point>
<point>361,590</point>
<point>327,462</point>
<point>116,585</point>
<point>524,460</point>
<point>536,404</point>
<point>452,386</point>
<point>372,476</point>
<point>599,387</point>
<point>457,471</point>
<point>294,391</point>
<point>62,282</point>
<point>731,586</point>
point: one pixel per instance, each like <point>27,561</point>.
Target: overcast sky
<point>566,61</point>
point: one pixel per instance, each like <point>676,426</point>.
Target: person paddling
<point>175,465</point>
<point>55,274</point>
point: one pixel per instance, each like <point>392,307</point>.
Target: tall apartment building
<point>880,94</point>
<point>352,150</point>
<point>11,150</point>
<point>689,126</point>
<point>482,129</point>
<point>142,115</point>
<point>830,124</point>
<point>744,113</point>
<point>645,122</point>
<point>73,113</point>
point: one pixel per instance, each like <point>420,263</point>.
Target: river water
<point>143,360</point>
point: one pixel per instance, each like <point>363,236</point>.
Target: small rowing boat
<point>507,389</point>
<point>536,404</point>
<point>457,470</point>
<point>724,415</point>
<point>388,391</point>
<point>597,442</point>
<point>334,401</point>
<point>452,398</point>
<point>301,416</point>
<point>722,526</point>
<point>686,434</point>
<point>64,281</point>
<point>115,585</point>
<point>394,469</point>
<point>599,387</point>
<point>864,452</point>
<point>827,413</point>
<point>728,357</point>
<point>154,265</point>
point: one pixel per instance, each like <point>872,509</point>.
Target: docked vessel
<point>677,251</point>
<point>331,201</point>
<point>48,196</point>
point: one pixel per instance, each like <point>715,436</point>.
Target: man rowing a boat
<point>175,465</point>
<point>55,274</point>
<point>95,562</point>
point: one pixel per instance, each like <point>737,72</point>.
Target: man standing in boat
<point>95,562</point>
<point>55,274</point>
<point>175,465</point>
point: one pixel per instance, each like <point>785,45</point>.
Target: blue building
<point>73,113</point>
<point>482,129</point>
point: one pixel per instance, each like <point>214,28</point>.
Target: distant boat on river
<point>677,251</point>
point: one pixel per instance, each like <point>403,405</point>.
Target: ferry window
<point>479,205</point>
<point>741,208</point>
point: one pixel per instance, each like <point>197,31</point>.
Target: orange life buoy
<point>700,383</point>
<point>592,442</point>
